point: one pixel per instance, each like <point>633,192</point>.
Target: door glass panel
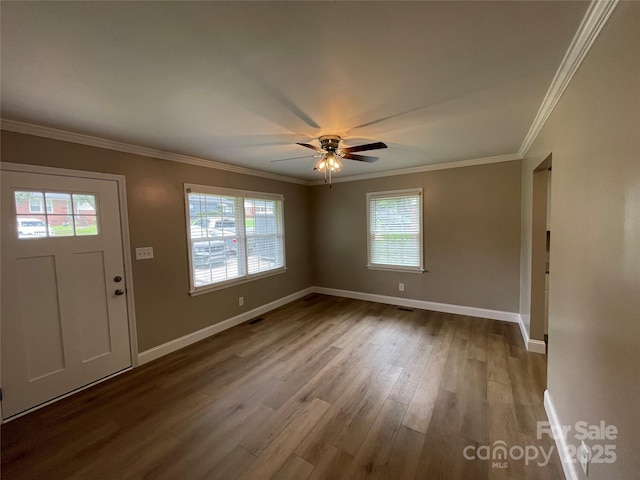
<point>85,215</point>
<point>55,214</point>
<point>29,202</point>
<point>60,225</point>
<point>60,203</point>
<point>84,204</point>
<point>31,226</point>
<point>86,224</point>
<point>59,216</point>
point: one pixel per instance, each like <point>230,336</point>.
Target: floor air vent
<point>256,320</point>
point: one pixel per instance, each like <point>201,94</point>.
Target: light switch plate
<point>144,253</point>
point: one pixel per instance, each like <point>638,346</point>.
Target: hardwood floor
<point>323,388</point>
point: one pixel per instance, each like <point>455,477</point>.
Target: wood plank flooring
<point>322,388</point>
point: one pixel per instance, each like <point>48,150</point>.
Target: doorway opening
<point>540,250</point>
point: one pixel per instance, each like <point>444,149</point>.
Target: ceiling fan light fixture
<point>333,162</point>
<point>331,154</point>
<point>330,162</point>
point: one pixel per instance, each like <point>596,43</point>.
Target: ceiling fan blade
<point>362,148</point>
<point>312,147</point>
<point>360,158</point>
<point>294,158</point>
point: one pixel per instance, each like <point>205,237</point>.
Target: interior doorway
<point>540,249</point>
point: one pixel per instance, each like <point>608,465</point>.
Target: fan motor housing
<point>329,142</point>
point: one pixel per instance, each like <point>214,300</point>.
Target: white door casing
<point>63,325</point>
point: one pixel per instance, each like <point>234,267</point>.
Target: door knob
<point>119,292</point>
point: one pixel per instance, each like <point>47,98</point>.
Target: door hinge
<point>0,394</point>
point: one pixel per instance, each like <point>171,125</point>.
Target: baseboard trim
<point>535,346</point>
<point>561,443</point>
<point>191,338</point>
<point>422,304</point>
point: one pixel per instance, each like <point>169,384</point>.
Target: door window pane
<point>85,214</point>
<point>59,218</point>
<point>31,226</point>
<point>36,204</point>
<point>66,214</point>
<point>60,225</point>
<point>85,224</point>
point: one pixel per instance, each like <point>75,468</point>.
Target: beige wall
<point>471,237</point>
<point>594,323</point>
<point>155,196</point>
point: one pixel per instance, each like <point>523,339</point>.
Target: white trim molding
<point>425,168</point>
<point>191,338</point>
<point>422,304</point>
<point>561,442</point>
<point>596,17</point>
<point>535,346</point>
<point>65,136</point>
<point>82,139</point>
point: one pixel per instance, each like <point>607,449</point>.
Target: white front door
<point>64,309</point>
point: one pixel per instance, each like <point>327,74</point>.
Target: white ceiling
<point>241,82</point>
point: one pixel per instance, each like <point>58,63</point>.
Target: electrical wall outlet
<point>240,301</point>
<point>401,287</point>
<point>144,253</point>
<point>584,457</point>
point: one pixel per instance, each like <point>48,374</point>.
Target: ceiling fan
<point>330,153</point>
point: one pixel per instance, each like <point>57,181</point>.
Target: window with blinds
<point>394,221</point>
<point>233,235</point>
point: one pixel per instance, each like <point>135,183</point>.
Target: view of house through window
<point>395,230</point>
<point>66,214</point>
<point>233,235</point>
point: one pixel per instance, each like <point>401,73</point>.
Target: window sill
<point>194,292</point>
<point>394,268</point>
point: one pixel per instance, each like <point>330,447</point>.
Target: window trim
<point>211,190</point>
<point>391,194</point>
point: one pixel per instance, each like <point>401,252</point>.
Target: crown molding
<point>55,134</point>
<point>66,136</point>
<point>596,17</point>
<point>424,168</point>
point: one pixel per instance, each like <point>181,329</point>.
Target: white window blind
<point>395,230</point>
<point>265,234</point>
<point>233,236</point>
